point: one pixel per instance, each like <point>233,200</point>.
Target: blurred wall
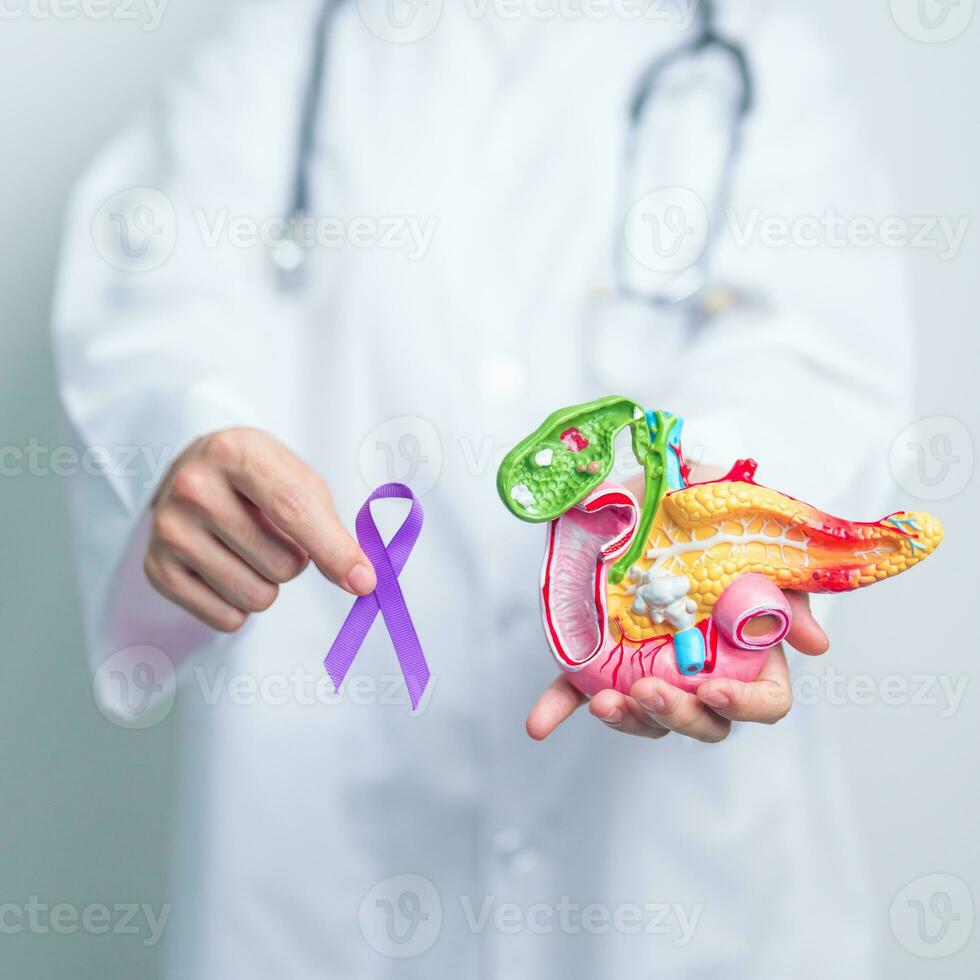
<point>912,768</point>
<point>85,808</point>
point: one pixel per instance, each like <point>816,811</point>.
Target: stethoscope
<point>687,293</point>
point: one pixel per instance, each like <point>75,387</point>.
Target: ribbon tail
<point>405,640</point>
<point>352,634</point>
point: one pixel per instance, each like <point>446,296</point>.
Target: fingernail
<point>717,699</point>
<point>614,717</point>
<point>655,702</point>
<point>361,580</point>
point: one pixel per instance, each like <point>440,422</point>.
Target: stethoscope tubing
<point>645,88</point>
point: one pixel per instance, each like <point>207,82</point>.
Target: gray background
<point>86,808</point>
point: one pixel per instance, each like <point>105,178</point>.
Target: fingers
<point>625,715</point>
<point>230,577</point>
<point>559,701</point>
<point>297,501</point>
<point>247,532</point>
<point>645,716</point>
<point>766,700</point>
<point>679,711</point>
<point>182,587</point>
<point>654,708</point>
<point>204,497</point>
<point>805,633</point>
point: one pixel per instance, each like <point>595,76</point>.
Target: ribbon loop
<point>387,597</point>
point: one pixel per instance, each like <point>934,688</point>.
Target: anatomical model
<point>687,585</point>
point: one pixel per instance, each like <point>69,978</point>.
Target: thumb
<point>339,557</point>
<point>300,504</point>
<point>805,633</point>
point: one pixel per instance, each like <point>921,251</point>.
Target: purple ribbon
<point>387,597</point>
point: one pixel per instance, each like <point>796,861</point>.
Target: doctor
<point>460,273</point>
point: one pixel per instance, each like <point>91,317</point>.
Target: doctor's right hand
<point>237,515</point>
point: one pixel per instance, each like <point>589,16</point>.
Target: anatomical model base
<point>686,585</point>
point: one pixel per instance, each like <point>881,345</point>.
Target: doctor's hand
<point>654,708</point>
<point>238,515</point>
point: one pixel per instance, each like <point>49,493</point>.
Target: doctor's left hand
<point>654,708</point>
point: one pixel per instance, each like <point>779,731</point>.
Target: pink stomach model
<point>749,617</point>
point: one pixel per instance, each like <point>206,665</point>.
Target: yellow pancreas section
<point>713,532</point>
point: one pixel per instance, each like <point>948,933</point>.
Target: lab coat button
<point>513,851</point>
<point>507,841</point>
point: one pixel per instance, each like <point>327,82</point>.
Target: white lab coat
<point>739,856</point>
